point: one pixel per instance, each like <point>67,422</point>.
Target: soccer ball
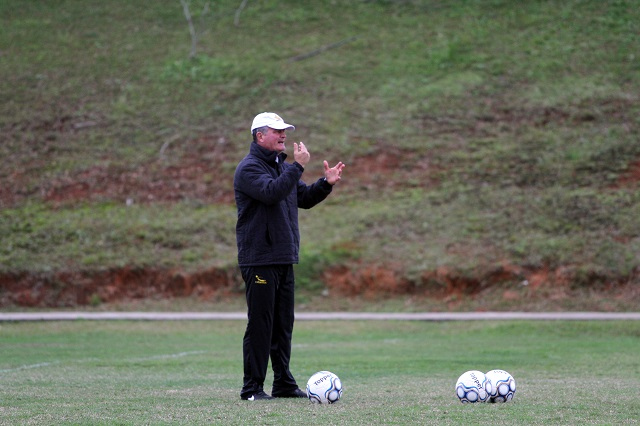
<point>473,386</point>
<point>503,384</point>
<point>324,387</point>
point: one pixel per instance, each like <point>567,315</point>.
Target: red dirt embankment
<point>114,285</point>
<point>501,287</point>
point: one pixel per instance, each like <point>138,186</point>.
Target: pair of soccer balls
<point>493,386</point>
<point>324,387</point>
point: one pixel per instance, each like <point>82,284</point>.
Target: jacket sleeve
<point>261,184</point>
<point>310,195</point>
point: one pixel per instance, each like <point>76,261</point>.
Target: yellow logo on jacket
<point>260,280</point>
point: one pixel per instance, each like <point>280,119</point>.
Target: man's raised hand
<point>300,154</point>
<point>333,174</point>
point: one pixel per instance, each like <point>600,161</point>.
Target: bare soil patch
<point>354,287</point>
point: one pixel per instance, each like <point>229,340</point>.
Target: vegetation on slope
<point>486,141</point>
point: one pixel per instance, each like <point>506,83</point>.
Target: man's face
<point>273,139</point>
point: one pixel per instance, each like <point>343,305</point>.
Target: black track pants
<point>270,305</point>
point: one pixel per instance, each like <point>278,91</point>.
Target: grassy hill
<point>492,147</point>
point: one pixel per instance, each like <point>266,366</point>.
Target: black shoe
<point>256,396</point>
<point>296,393</point>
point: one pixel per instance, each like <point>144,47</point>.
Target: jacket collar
<point>270,157</point>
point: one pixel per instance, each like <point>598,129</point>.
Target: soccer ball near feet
<point>324,387</point>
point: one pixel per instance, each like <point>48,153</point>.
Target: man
<point>268,193</point>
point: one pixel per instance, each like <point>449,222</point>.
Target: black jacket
<point>268,194</point>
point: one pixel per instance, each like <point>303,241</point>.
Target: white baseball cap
<point>270,119</point>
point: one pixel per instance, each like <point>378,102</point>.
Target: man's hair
<point>262,130</point>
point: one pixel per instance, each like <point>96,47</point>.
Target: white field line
<point>82,361</point>
<point>320,316</point>
<point>28,367</point>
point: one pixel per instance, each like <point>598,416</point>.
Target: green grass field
<point>476,134</point>
<point>394,372</point>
